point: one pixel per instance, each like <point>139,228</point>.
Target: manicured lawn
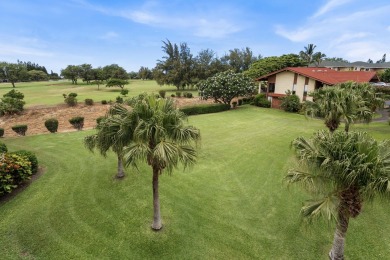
<point>50,92</point>
<point>232,205</point>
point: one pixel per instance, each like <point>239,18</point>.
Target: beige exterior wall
<point>284,81</point>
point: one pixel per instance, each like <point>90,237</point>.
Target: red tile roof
<point>328,76</point>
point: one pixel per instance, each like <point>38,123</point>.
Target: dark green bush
<point>12,103</point>
<point>104,102</point>
<point>77,122</point>
<point>3,148</point>
<point>261,100</point>
<point>14,94</point>
<point>204,109</point>
<point>99,119</point>
<point>247,100</point>
<point>51,125</point>
<point>234,104</point>
<point>291,103</point>
<point>178,94</point>
<point>119,100</point>
<point>31,157</point>
<point>188,95</point>
<point>14,170</point>
<point>72,94</point>
<point>124,92</point>
<point>70,99</point>
<point>89,101</point>
<point>1,132</point>
<point>240,102</point>
<point>173,95</point>
<point>20,129</point>
<point>162,93</point>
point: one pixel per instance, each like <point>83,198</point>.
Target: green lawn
<point>232,205</point>
<point>50,92</point>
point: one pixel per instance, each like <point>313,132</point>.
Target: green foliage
<point>20,129</point>
<point>12,103</point>
<point>89,101</point>
<point>382,89</point>
<point>162,93</point>
<point>70,99</point>
<point>14,72</point>
<point>187,95</point>
<point>3,148</point>
<point>51,124</point>
<point>14,170</point>
<point>385,76</point>
<point>225,86</point>
<point>291,103</point>
<point>31,157</point>
<point>240,101</point>
<point>124,92</point>
<point>120,83</point>
<point>273,63</point>
<point>204,109</point>
<point>1,132</point>
<point>173,95</point>
<point>178,94</point>
<point>77,122</point>
<point>104,102</point>
<point>119,100</point>
<point>72,72</point>
<point>100,119</point>
<point>261,100</point>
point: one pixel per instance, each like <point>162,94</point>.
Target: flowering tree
<point>225,86</point>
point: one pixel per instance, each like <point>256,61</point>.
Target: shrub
<point>178,94</point>
<point>31,157</point>
<point>51,125</point>
<point>20,129</point>
<point>104,102</point>
<point>3,148</point>
<point>119,100</point>
<point>89,101</point>
<point>99,119</point>
<point>77,122</point>
<point>261,100</point>
<point>247,100</point>
<point>234,103</point>
<point>14,170</point>
<point>204,109</point>
<point>187,94</point>
<point>70,99</point>
<point>1,132</point>
<point>240,102</point>
<point>12,103</point>
<point>162,93</point>
<point>291,103</point>
<point>173,95</point>
<point>124,92</point>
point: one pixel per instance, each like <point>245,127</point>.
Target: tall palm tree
<point>112,133</point>
<point>341,170</point>
<point>160,138</point>
<point>307,53</point>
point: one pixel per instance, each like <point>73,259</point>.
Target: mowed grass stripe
<point>232,205</point>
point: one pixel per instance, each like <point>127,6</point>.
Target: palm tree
<point>341,170</point>
<point>112,133</point>
<point>318,57</point>
<point>160,138</point>
<point>307,53</point>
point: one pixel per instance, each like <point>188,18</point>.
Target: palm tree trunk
<point>346,127</point>
<point>337,251</point>
<point>156,201</point>
<point>121,171</point>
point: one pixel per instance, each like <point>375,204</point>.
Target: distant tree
<point>383,60</point>
<point>225,86</point>
<point>72,72</point>
<point>307,53</point>
<point>341,171</point>
<point>318,57</point>
<point>54,76</point>
<point>240,60</point>
<point>13,72</point>
<point>120,83</point>
<point>273,63</point>
<point>335,59</point>
<point>98,76</point>
<point>176,68</point>
<point>145,73</point>
<point>115,71</point>
<point>37,75</point>
<point>385,76</point>
<point>86,72</point>
<point>370,61</point>
<point>133,75</point>
<point>32,66</point>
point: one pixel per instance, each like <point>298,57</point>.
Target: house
<point>303,80</point>
<point>353,66</point>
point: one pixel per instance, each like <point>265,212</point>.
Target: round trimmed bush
<point>1,132</point>
<point>77,122</point>
<point>20,129</point>
<point>162,93</point>
<point>14,170</point>
<point>89,101</point>
<point>52,125</point>
<point>3,148</point>
<point>104,102</point>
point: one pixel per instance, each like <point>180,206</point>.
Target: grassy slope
<point>232,205</point>
<point>50,92</point>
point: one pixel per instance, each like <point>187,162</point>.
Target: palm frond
<point>325,207</point>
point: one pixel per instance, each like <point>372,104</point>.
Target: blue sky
<point>130,33</point>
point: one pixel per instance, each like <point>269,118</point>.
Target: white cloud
<point>330,5</point>
<point>109,35</point>
<point>11,49</point>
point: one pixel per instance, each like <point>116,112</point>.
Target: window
<point>271,87</point>
<point>305,90</point>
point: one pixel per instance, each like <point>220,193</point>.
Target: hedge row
<point>204,109</point>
